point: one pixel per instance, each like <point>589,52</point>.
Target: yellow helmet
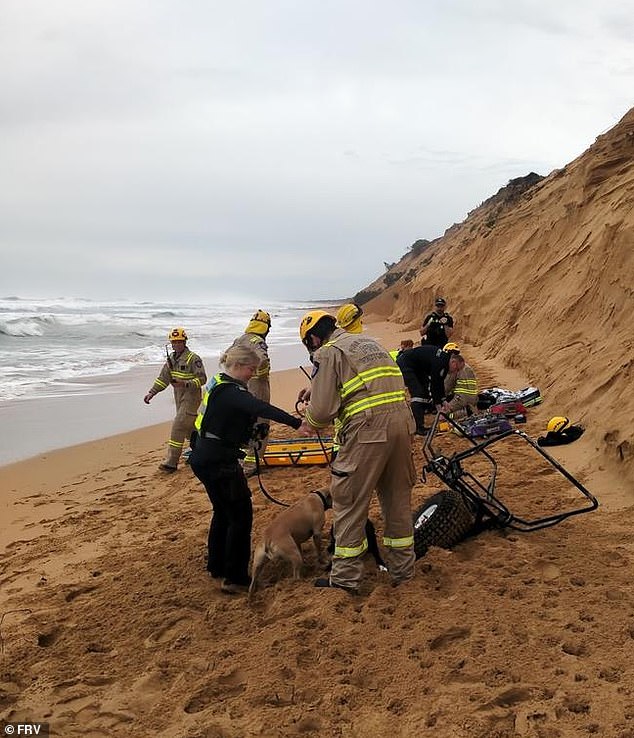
<point>260,323</point>
<point>349,317</point>
<point>310,320</point>
<point>262,316</point>
<point>556,424</point>
<point>451,347</point>
<point>177,334</point>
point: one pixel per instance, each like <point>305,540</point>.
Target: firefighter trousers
<point>182,427</point>
<point>375,454</point>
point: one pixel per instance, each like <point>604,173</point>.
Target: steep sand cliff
<point>541,276</point>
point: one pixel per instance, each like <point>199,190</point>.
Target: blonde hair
<point>240,355</point>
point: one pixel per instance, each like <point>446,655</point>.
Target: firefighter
<point>349,317</point>
<point>461,389</point>
<point>437,326</point>
<point>254,337</point>
<point>184,370</point>
<point>424,370</point>
<point>356,382</point>
<point>224,424</point>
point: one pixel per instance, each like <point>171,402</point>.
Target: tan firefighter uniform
<point>463,386</point>
<point>357,383</point>
<point>188,371</point>
<point>259,385</point>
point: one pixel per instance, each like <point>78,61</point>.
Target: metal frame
<point>480,498</point>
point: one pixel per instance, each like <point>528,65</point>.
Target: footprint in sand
<point>448,637</point>
<point>511,697</point>
<point>168,632</point>
<point>548,572</point>
<point>78,591</point>
<point>44,640</point>
<point>614,558</point>
<point>226,685</point>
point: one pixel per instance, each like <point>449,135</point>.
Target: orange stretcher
<point>298,452</point>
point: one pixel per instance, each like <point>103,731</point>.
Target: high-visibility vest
<point>216,381</point>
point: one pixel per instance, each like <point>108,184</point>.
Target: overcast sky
<point>183,149</point>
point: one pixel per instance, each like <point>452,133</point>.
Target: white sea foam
<point>48,346</point>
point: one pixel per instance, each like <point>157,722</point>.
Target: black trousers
<point>229,539</point>
<point>418,387</point>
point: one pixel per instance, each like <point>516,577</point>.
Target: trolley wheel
<point>443,520</point>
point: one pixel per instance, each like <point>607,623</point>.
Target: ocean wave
<point>60,340</point>
<point>25,327</point>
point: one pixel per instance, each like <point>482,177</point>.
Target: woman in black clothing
<point>225,423</point>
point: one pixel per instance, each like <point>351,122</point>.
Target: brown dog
<point>284,536</point>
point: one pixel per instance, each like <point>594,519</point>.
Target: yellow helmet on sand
<point>260,323</point>
<point>349,317</point>
<point>310,320</point>
<point>177,334</point>
<point>556,424</point>
<point>451,348</point>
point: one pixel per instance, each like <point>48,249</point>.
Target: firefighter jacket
<point>187,370</point>
<point>353,374</point>
<point>464,388</point>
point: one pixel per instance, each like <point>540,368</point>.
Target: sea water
<point>76,370</point>
<point>47,347</point>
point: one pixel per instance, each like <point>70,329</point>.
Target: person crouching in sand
<point>225,423</point>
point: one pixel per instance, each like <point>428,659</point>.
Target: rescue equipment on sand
<point>470,504</point>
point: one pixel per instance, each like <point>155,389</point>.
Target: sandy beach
<point>109,626</point>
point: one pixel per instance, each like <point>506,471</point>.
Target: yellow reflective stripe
<point>346,552</point>
<point>203,405</point>
<point>182,375</point>
<point>316,424</point>
<point>368,375</point>
<point>160,383</point>
<point>399,542</point>
<point>384,398</point>
<point>466,387</point>
<point>176,444</point>
<point>176,374</point>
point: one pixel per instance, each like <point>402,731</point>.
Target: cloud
<point>280,146</point>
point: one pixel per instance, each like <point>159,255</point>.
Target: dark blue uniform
<point>424,370</point>
<point>227,425</point>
